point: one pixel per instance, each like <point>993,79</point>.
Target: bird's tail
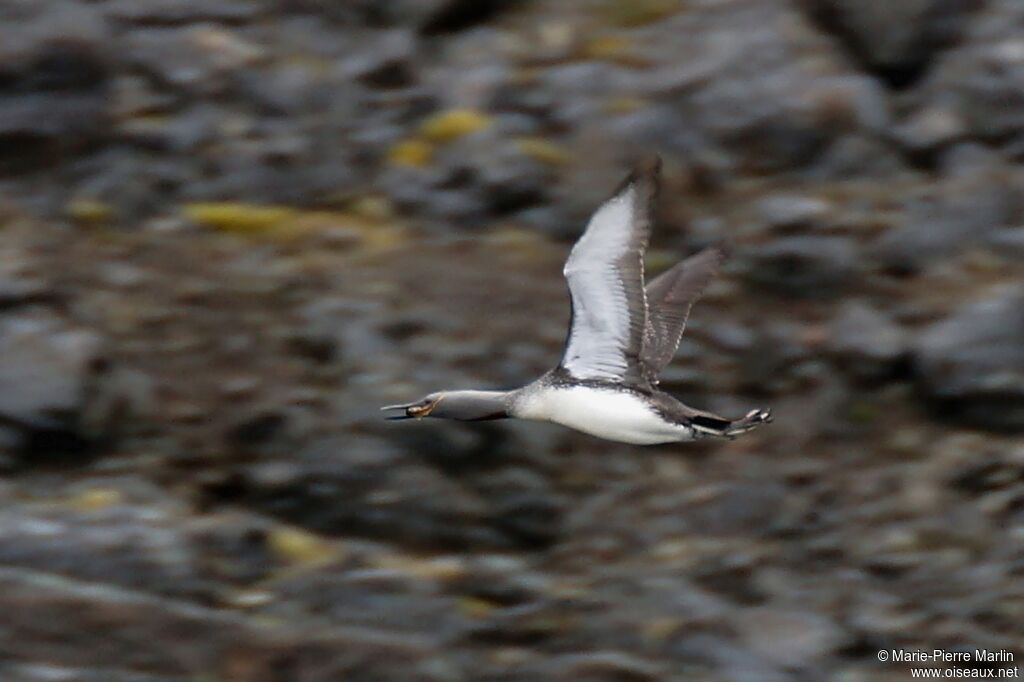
<point>730,428</point>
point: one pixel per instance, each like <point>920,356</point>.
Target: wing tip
<point>646,172</point>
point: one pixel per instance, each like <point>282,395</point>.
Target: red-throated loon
<point>620,338</point>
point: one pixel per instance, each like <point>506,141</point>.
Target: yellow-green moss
<point>453,124</point>
<point>89,211</point>
<point>411,153</point>
<point>95,499</point>
<point>544,151</point>
<point>623,105</point>
<point>239,217</point>
<point>297,546</point>
<point>638,12</point>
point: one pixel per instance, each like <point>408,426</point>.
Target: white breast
<point>606,413</point>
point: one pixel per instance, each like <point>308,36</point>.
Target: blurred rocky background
<point>230,230</point>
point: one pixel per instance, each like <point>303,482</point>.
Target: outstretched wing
<point>669,299</point>
<point>605,272</point>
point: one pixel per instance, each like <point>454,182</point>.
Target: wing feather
<point>670,296</point>
<point>605,273</point>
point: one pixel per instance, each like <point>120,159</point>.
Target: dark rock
<point>118,542</point>
<point>523,505</point>
<point>366,487</point>
<point>791,638</point>
<point>865,342</point>
<point>175,12</point>
<point>54,76</point>
<point>1008,243</point>
<point>972,364</point>
<point>981,81</point>
<point>387,61</point>
<point>930,129</point>
<point>192,61</point>
<point>858,156</point>
<point>978,198</point>
<point>45,370</point>
<point>603,666</point>
<point>896,40</point>
<point>766,113</point>
<point>802,266</point>
<point>786,213</point>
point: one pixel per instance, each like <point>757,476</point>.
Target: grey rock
<point>387,60</point>
<point>791,638</point>
<point>523,505</point>
<point>128,545</point>
<point>865,342</point>
<point>978,197</point>
<point>784,213</point>
<point>174,12</point>
<point>972,364</point>
<point>54,76</point>
<point>802,266</point>
<point>897,40</point>
<point>1008,243</point>
<point>977,80</point>
<point>45,367</point>
<point>366,487</point>
<point>858,156</point>
<point>930,129</point>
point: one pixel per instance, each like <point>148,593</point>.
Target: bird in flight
<point>621,335</point>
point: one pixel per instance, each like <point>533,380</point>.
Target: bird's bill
<point>414,410</point>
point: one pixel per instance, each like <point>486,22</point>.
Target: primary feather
<point>605,273</point>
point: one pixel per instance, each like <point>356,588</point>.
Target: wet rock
<point>768,114</point>
<point>367,487</point>
<point>802,266</point>
<point>441,16</point>
<point>790,638</point>
<point>603,666</point>
<point>858,156</point>
<point>101,534</point>
<point>785,213</point>
<point>865,342</point>
<point>1008,243</point>
<point>54,77</point>
<point>897,41</point>
<point>972,364</point>
<point>117,633</point>
<point>388,598</point>
<point>175,12</point>
<point>45,370</point>
<point>523,505</point>
<point>930,129</point>
<point>193,61</point>
<point>978,198</point>
<point>981,80</point>
<point>387,61</point>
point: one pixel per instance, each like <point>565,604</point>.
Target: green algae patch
<point>629,13</point>
<point>543,151</point>
<point>296,546</point>
<point>609,48</point>
<point>411,153</point>
<point>624,105</point>
<point>239,217</point>
<point>450,125</point>
<point>89,211</point>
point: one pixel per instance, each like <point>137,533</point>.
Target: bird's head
<point>461,405</point>
<point>418,409</point>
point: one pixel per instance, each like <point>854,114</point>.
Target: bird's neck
<point>475,405</point>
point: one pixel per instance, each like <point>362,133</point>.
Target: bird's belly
<point>610,414</point>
